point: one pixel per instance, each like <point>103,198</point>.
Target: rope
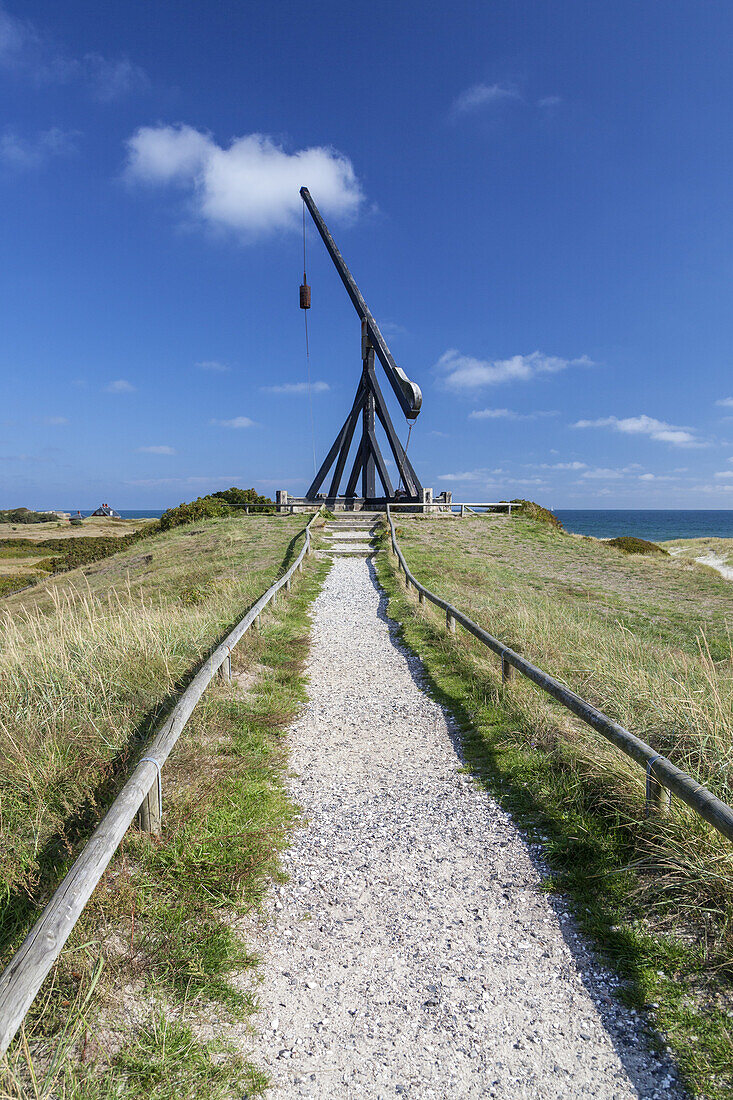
<point>308,359</point>
<point>410,426</point>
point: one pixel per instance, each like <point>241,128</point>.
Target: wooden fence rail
<point>26,971</point>
<point>661,773</point>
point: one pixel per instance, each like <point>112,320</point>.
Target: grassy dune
<point>160,951</point>
<point>89,661</point>
<point>713,552</point>
<point>647,640</point>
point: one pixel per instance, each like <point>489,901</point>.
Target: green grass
<point>165,921</point>
<point>655,895</point>
<point>89,662</point>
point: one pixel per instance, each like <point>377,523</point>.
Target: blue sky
<point>534,198</point>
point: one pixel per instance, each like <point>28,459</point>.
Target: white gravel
<point>412,952</point>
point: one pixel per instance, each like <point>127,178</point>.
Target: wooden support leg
<point>225,668</point>
<point>288,584</point>
<point>507,671</point>
<point>421,597</point>
<point>657,796</point>
<point>450,622</point>
<point>150,814</point>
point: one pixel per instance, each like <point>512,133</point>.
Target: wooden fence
<point>661,774</point>
<point>142,793</point>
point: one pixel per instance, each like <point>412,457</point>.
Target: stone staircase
<point>350,535</point>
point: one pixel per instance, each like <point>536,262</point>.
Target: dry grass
<point>646,640</point>
<point>88,661</point>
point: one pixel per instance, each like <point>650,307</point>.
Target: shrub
<point>242,496</point>
<point>531,510</point>
<point>11,582</point>
<point>202,508</point>
<point>215,504</point>
<point>630,545</point>
<point>25,515</point>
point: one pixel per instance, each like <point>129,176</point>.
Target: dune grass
<point>88,662</point>
<point>127,1009</point>
<point>646,639</point>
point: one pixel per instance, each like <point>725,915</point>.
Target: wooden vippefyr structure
<point>369,406</point>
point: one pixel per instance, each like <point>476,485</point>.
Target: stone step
<point>350,523</point>
<point>347,552</point>
<point>348,532</point>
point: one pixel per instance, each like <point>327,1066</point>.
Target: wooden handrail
<point>660,772</point>
<point>22,978</point>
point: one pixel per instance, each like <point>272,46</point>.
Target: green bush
<point>631,545</point>
<point>71,553</point>
<point>13,581</point>
<point>531,510</point>
<point>215,504</point>
<point>202,508</point>
<point>24,515</point>
<point>243,496</point>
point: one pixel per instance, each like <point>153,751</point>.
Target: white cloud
<point>645,425</point>
<point>462,372</point>
<point>252,186</point>
<point>235,422</point>
<point>55,420</point>
<point>484,95</point>
<point>470,475</point>
<point>507,414</point>
<point>603,474</point>
<point>494,414</point>
<point>548,101</point>
<point>33,55</point>
<point>724,474</point>
<point>14,38</point>
<point>213,365</point>
<point>112,79</point>
<point>153,481</point>
<point>156,449</point>
<point>562,466</point>
<point>24,153</point>
<point>120,385</point>
<point>487,478</point>
<point>296,387</point>
<point>725,402</point>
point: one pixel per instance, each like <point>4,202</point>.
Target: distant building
<point>105,510</point>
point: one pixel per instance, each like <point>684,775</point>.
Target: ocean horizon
<point>655,524</point>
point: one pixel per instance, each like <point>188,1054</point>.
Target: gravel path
<point>412,952</point>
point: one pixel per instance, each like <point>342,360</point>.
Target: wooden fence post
<point>150,814</point>
<point>225,668</point>
<point>507,671</point>
<point>658,798</point>
<point>450,622</point>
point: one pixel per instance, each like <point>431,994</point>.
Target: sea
<point>657,525</point>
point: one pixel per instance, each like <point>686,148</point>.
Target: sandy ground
<point>413,952</point>
<point>715,560</point>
